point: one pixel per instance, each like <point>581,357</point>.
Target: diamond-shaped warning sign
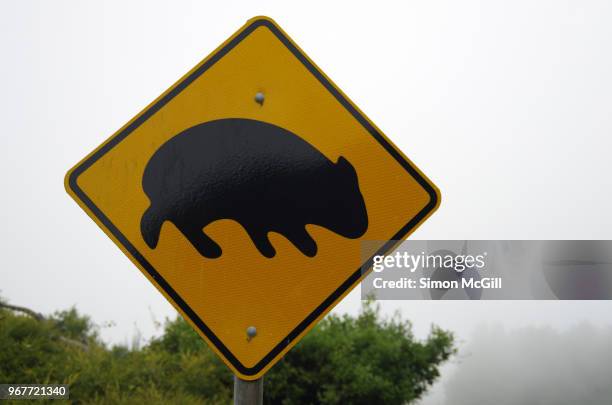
<point>243,192</point>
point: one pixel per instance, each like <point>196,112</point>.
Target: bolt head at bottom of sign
<point>251,332</point>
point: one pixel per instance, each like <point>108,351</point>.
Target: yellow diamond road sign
<point>243,192</point>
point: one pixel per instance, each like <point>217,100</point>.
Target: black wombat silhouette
<point>263,176</point>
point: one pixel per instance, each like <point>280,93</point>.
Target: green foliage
<point>32,350</point>
<point>365,359</point>
<point>75,326</point>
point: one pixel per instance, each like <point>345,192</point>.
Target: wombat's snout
<point>358,220</point>
<point>362,221</point>
<point>351,216</point>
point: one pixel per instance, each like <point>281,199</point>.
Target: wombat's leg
<point>303,241</point>
<point>261,241</point>
<point>202,242</point>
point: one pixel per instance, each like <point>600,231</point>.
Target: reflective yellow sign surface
<point>260,79</point>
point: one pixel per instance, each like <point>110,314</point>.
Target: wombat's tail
<point>150,226</point>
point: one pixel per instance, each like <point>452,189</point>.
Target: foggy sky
<point>533,365</point>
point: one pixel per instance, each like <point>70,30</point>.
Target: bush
<point>358,360</point>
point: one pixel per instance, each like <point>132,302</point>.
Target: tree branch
<point>27,311</point>
<point>40,317</point>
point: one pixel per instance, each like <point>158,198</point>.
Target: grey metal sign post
<point>248,392</point>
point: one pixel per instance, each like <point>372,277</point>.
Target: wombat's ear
<point>345,166</point>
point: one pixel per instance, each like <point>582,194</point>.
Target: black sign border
<point>346,285</point>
